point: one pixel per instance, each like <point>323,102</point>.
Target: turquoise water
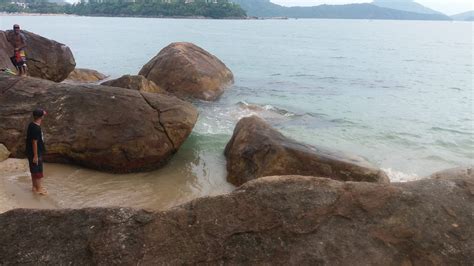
<point>399,93</point>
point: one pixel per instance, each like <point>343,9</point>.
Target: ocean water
<point>399,93</point>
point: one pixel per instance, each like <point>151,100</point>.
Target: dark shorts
<point>36,170</point>
<point>21,63</point>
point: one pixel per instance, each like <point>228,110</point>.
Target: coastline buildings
<point>21,4</point>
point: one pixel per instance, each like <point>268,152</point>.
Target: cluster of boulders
<point>96,126</point>
<point>296,204</point>
<point>132,123</point>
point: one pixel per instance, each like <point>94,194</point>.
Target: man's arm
<point>35,151</point>
<point>36,135</point>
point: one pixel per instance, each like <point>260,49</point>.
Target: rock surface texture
<point>289,220</point>
<point>47,59</point>
<point>6,51</point>
<point>256,150</point>
<point>135,82</point>
<point>84,75</point>
<point>188,71</point>
<point>4,153</point>
<point>105,128</point>
<point>464,172</point>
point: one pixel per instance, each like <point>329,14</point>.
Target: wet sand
<point>71,186</point>
<point>14,194</point>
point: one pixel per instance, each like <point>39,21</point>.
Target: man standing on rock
<point>35,149</point>
<point>18,41</point>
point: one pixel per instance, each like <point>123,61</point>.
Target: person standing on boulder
<point>18,41</point>
<point>35,149</point>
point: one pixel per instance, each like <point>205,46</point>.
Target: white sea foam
<point>217,119</point>
<point>397,176</point>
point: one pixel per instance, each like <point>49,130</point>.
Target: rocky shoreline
<point>281,219</point>
<point>295,203</point>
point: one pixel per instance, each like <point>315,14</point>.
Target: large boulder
<point>95,126</point>
<point>47,59</point>
<point>188,71</point>
<point>256,150</point>
<point>4,153</point>
<point>458,172</point>
<point>288,220</point>
<point>84,75</point>
<point>135,82</point>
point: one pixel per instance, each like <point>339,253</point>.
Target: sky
<point>449,7</point>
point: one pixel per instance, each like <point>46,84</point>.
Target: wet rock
<point>256,150</point>
<point>455,173</point>
<point>4,153</point>
<point>47,59</point>
<point>188,71</point>
<point>285,220</point>
<point>135,82</point>
<point>100,127</point>
<point>84,75</point>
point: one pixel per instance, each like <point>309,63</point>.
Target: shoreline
<point>36,14</point>
<point>124,16</point>
<point>72,186</point>
<point>210,18</point>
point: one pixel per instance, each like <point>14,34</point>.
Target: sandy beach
<point>72,186</point>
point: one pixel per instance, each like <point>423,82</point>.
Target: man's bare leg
<point>34,188</point>
<point>39,188</point>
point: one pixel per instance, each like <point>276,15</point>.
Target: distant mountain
<point>466,16</point>
<point>264,8</point>
<point>405,5</point>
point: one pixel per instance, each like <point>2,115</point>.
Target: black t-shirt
<point>34,133</point>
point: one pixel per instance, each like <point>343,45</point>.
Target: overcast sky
<point>449,7</point>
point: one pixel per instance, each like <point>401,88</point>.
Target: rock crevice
<point>159,120</point>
